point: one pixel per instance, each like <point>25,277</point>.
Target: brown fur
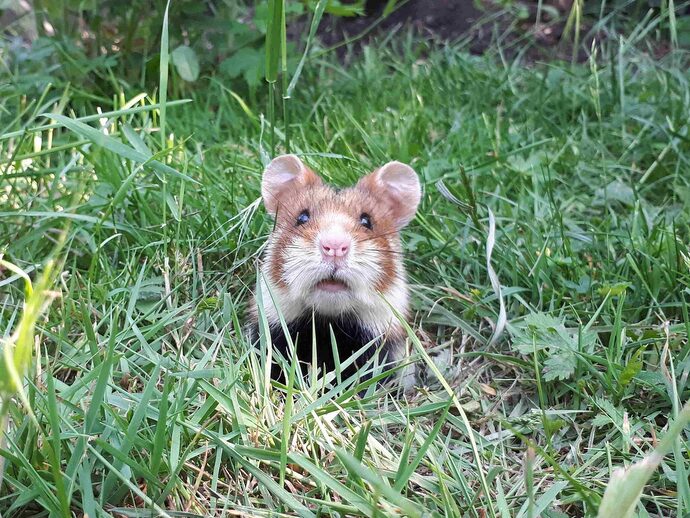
<point>320,199</point>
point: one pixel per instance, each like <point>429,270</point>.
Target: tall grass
<point>275,50</point>
<point>16,363</point>
<point>146,396</point>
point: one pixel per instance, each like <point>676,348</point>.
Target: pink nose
<point>335,246</point>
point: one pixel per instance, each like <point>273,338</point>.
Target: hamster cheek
<point>391,266</point>
<point>301,264</point>
<point>365,265</point>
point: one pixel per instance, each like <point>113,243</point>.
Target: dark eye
<point>303,217</point>
<point>365,220</point>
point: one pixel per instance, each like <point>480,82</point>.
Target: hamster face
<point>337,251</point>
<point>334,250</point>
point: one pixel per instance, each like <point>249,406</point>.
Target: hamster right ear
<point>398,186</point>
<point>284,174</point>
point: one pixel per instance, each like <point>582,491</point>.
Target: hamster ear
<point>398,185</point>
<point>284,174</point>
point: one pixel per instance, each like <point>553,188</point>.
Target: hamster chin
<point>331,296</point>
<point>331,304</point>
<point>341,291</point>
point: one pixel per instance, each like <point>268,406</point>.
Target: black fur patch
<point>349,335</point>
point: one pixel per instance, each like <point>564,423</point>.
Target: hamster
<point>334,262</point>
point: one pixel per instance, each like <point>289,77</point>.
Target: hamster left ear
<point>284,175</point>
<point>398,184</point>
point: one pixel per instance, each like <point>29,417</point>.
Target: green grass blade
<point>380,485</point>
<point>115,146</point>
<point>287,415</point>
<point>164,64</point>
<point>55,448</point>
<point>89,118</point>
<point>353,498</point>
<point>315,21</point>
<point>134,425</point>
<point>274,38</point>
<point>403,476</point>
<point>625,488</point>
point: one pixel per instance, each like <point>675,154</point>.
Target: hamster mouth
<point>332,285</point>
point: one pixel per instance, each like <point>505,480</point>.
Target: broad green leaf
<point>246,62</point>
<point>632,368</point>
<point>186,63</point>
<point>543,332</point>
<point>560,366</point>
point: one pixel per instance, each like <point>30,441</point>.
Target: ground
<point>145,394</point>
<point>483,26</point>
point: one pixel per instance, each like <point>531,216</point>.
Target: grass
<point>148,399</point>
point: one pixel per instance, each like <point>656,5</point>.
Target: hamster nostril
<point>335,247</point>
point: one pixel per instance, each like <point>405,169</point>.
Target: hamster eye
<point>303,217</point>
<point>365,220</point>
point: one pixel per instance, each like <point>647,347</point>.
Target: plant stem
<point>4,410</point>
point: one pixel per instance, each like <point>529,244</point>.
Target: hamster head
<point>338,251</point>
